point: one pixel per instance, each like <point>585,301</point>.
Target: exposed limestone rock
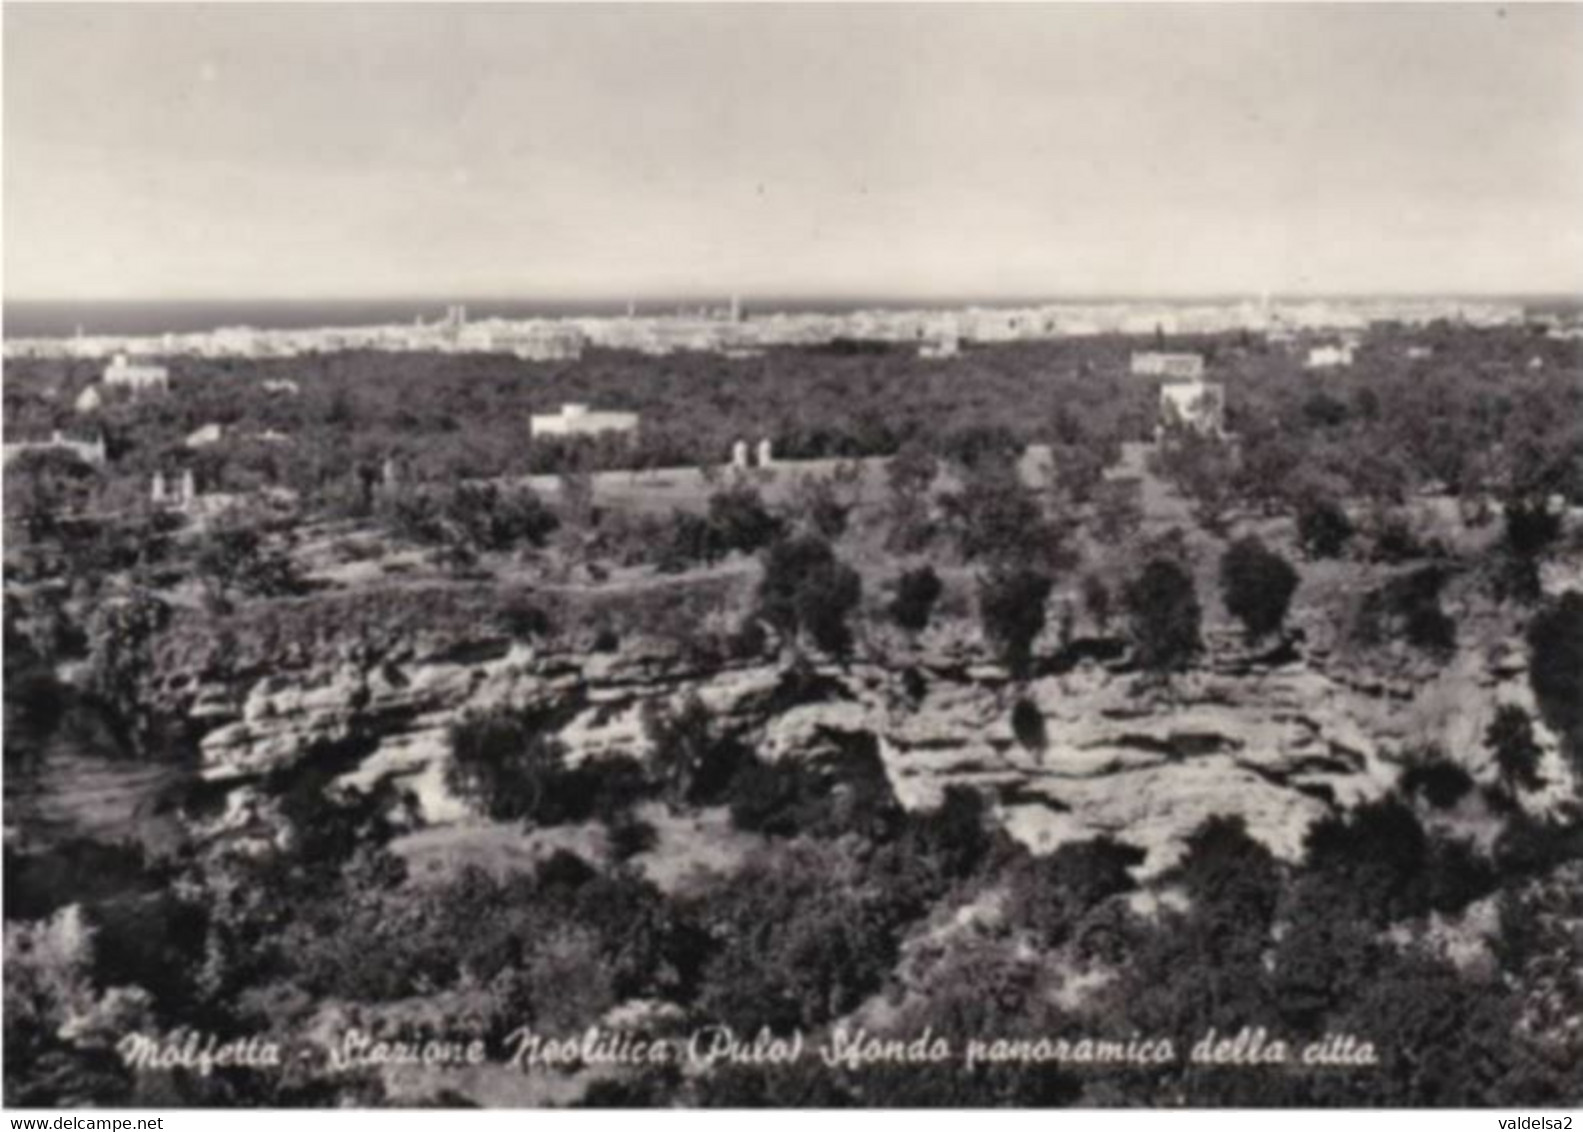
<point>1279,738</point>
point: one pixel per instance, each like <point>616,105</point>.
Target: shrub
<point>1027,724</point>
<point>1323,528</point>
<point>504,763</point>
<point>629,835</point>
<point>1096,600</point>
<point>1050,894</point>
<point>997,518</point>
<point>1257,585</point>
<point>1511,738</point>
<point>1011,602</point>
<point>1377,858</point>
<point>916,592</point>
<point>1555,667</point>
<point>807,590</point>
<point>740,519</point>
<point>1163,617</point>
<point>691,762</point>
<point>819,503</point>
<point>1408,608</point>
<point>691,540</point>
<point>1435,778</point>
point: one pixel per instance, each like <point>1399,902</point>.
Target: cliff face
<point>1279,739</point>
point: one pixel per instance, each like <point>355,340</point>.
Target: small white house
<point>1329,357</point>
<point>121,372</point>
<point>88,451</point>
<point>1153,363</point>
<point>211,433</point>
<point>89,400</point>
<point>1196,405</point>
<point>579,420</point>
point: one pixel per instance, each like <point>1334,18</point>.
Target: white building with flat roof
<point>1330,357</point>
<point>1154,363</point>
<point>88,451</point>
<point>1193,404</point>
<point>579,420</point>
<point>123,373</point>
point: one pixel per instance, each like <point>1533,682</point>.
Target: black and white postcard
<point>793,556</point>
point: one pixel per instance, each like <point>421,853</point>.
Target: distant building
<point>1419,353</point>
<point>121,372</point>
<point>1329,357</point>
<point>208,434</point>
<point>89,400</point>
<point>281,385</point>
<point>579,420</point>
<point>530,343</point>
<point>1153,363</point>
<point>1193,404</point>
<point>88,451</point>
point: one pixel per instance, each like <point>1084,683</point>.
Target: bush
<point>1376,857</point>
<point>1257,585</point>
<point>1555,666</point>
<point>1408,608</point>
<point>1163,617</point>
<point>1435,778</point>
<point>691,762</point>
<point>509,765</point>
<point>1011,602</point>
<point>504,763</point>
<point>807,590</point>
<point>740,519</point>
<point>1096,600</point>
<point>629,835</point>
<point>1050,894</point>
<point>1027,724</point>
<point>916,592</point>
<point>690,540</point>
<point>1511,738</point>
<point>1323,528</point>
<point>997,518</point>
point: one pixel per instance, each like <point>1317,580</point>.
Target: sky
<point>235,151</point>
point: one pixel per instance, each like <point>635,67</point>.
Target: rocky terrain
<point>1278,738</point>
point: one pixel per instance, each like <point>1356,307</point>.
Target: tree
<point>1050,894</point>
<point>1555,667</point>
<point>1096,600</point>
<point>1163,617</point>
<point>505,763</point>
<point>1027,725</point>
<point>1011,602</point>
<point>234,558</point>
<point>1118,510</point>
<point>1204,469</point>
<point>1511,737</point>
<point>997,518</point>
<point>1531,528</point>
<point>42,484</point>
<point>1323,527</point>
<point>1257,585</point>
<point>740,519</point>
<point>822,505</point>
<point>806,589</point>
<point>913,602</point>
<point>690,760</point>
<point>909,476</point>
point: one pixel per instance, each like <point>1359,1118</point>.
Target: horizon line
<point>799,296</point>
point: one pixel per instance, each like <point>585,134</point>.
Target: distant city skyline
<point>595,153</point>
